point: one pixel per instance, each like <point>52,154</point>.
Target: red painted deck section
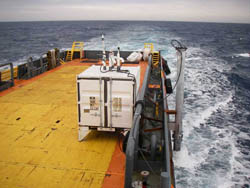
<point>115,174</point>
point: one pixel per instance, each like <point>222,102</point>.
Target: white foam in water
<point>193,58</point>
<point>184,159</point>
<point>207,91</point>
<point>200,119</point>
<point>65,49</point>
<point>223,181</point>
<point>243,55</point>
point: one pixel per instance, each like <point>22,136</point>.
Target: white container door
<point>120,103</point>
<point>91,107</point>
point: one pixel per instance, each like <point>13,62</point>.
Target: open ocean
<point>216,143</point>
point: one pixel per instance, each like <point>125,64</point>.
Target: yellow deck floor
<point>38,137</point>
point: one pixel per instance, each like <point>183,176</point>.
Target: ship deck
<point>39,136</point>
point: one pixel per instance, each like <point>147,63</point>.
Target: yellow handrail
<point>149,45</point>
<point>76,47</point>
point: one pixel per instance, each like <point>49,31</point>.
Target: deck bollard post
<point>165,180</point>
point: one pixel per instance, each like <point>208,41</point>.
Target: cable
<point>144,158</point>
<point>130,75</point>
<point>127,72</point>
<point>103,71</point>
<point>120,138</point>
<point>178,46</point>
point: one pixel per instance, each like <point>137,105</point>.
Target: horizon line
<point>3,21</point>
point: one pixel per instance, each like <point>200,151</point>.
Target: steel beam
<point>167,139</point>
<point>179,98</point>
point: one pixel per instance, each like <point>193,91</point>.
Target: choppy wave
<point>216,143</point>
<point>243,55</point>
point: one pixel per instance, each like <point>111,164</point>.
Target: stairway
<point>76,47</point>
<point>155,57</point>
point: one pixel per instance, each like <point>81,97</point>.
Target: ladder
<point>155,58</point>
<point>155,54</point>
<point>76,47</point>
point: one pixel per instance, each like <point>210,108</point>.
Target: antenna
<point>103,53</point>
<point>118,59</point>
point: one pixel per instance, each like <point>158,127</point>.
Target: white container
<point>106,100</point>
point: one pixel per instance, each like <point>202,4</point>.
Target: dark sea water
<point>216,144</point>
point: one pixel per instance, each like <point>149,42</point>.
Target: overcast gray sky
<point>166,10</point>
